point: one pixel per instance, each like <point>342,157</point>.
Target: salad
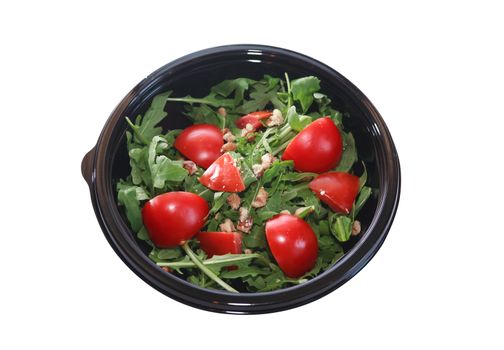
<point>256,195</point>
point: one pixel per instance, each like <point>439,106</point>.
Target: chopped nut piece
<point>275,119</point>
<point>249,127</point>
<point>217,216</point>
<point>165,268</point>
<point>225,131</point>
<point>356,228</point>
<point>228,136</point>
<point>257,169</point>
<point>261,198</point>
<point>227,226</point>
<point>248,251</point>
<point>250,136</point>
<point>234,201</point>
<point>266,161</point>
<point>190,166</point>
<point>230,146</point>
<point>222,111</point>
<point>245,222</point>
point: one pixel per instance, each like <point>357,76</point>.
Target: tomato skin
<point>223,175</point>
<point>338,190</point>
<point>253,119</point>
<point>220,243</point>
<point>174,217</point>
<point>317,148</point>
<point>201,143</point>
<point>293,244</point>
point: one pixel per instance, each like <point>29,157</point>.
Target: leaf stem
<point>210,262</point>
<point>136,132</point>
<point>289,102</point>
<point>281,147</point>
<point>205,269</point>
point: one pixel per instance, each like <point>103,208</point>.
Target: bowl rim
<point>96,162</point>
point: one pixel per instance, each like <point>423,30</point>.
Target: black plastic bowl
<point>194,74</point>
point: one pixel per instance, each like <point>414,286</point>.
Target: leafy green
<point>157,167</point>
<point>297,122</point>
<point>349,155</point>
<point>302,90</point>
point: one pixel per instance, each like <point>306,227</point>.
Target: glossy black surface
<point>194,74</point>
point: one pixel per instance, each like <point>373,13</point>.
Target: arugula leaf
<point>238,86</point>
<point>349,155</point>
<point>362,198</point>
<point>341,227</point>
<point>127,196</point>
<point>302,90</point>
<point>261,95</point>
<point>162,168</point>
<point>146,128</point>
<point>297,122</point>
<point>203,114</point>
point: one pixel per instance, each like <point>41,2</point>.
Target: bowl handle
<point>87,166</point>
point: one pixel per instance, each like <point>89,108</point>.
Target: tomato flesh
<point>338,190</point>
<point>317,148</point>
<point>174,217</point>
<point>292,243</point>
<point>253,119</point>
<point>223,175</point>
<point>201,143</point>
<point>220,243</point>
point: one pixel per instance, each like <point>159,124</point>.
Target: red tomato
<point>317,148</point>
<point>174,217</point>
<point>223,175</point>
<point>253,119</point>
<point>220,243</point>
<point>338,190</point>
<point>201,143</point>
<point>293,244</point>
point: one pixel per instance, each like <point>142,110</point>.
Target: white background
<point>433,70</point>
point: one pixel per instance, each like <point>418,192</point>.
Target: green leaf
<point>148,127</point>
<point>162,168</point>
<point>238,86</point>
<point>364,195</point>
<point>169,254</point>
<point>341,227</point>
<point>203,114</point>
<point>256,238</point>
<point>143,234</point>
<point>127,196</point>
<point>302,90</point>
<point>349,156</point>
<point>219,200</point>
<point>276,169</point>
<point>260,96</point>
<point>297,122</point>
<point>249,271</point>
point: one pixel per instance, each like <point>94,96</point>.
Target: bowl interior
<point>197,80</point>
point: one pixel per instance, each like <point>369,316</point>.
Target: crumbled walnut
<point>356,228</point>
<point>275,119</point>
<point>249,127</point>
<point>230,146</point>
<point>266,161</point>
<point>222,111</point>
<point>261,198</point>
<point>234,201</point>
<point>165,268</point>
<point>245,222</point>
<point>227,226</point>
<point>190,166</point>
<point>228,136</point>
<point>248,251</point>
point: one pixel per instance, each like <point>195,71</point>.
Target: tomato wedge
<point>338,190</point>
<point>292,243</point>
<point>201,143</point>
<point>174,217</point>
<point>223,175</point>
<point>317,148</point>
<point>220,243</point>
<point>253,119</point>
